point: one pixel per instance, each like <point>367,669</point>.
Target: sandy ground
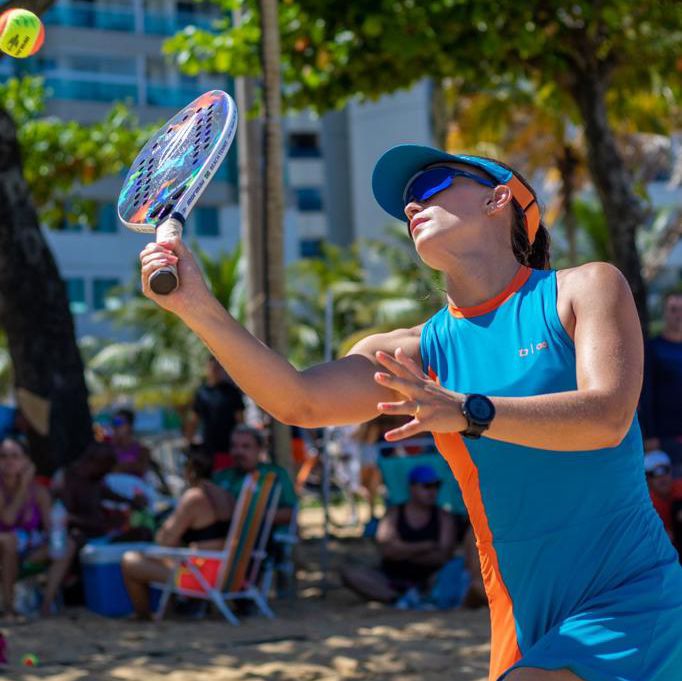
<point>318,636</point>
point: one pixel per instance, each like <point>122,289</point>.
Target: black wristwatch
<point>479,412</point>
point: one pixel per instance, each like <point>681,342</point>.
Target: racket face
<point>175,166</point>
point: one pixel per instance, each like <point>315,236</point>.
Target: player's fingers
<point>156,264</point>
<point>176,246</point>
<point>404,386</point>
<point>390,363</point>
<point>406,407</point>
<point>165,258</point>
<point>410,429</point>
<point>408,362</point>
<point>155,248</point>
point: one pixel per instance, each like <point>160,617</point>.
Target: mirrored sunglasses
<point>427,183</point>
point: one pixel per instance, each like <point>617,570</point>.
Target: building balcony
<point>92,90</point>
<point>123,18</point>
<point>85,15</point>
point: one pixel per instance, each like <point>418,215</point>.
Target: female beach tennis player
<point>529,379</point>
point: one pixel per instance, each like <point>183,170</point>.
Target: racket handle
<point>165,280</point>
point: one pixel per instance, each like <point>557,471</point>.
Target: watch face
<point>480,409</point>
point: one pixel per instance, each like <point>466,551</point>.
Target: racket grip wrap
<point>165,280</point>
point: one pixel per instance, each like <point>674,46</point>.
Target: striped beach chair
<point>234,572</point>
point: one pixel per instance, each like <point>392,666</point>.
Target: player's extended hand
<point>432,407</point>
<point>192,291</point>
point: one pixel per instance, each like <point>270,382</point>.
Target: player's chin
<point>429,245</point>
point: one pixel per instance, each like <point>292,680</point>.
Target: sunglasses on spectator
<point>427,183</point>
<point>430,485</point>
<point>659,471</point>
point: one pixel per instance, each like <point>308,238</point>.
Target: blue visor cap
<point>423,475</point>
<point>401,163</point>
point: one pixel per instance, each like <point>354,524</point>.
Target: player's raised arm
<point>337,392</point>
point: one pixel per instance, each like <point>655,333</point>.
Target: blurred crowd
<point>118,491</point>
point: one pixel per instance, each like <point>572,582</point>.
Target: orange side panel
<point>504,648</point>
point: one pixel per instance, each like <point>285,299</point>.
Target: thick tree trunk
<point>623,210</point>
<point>34,311</point>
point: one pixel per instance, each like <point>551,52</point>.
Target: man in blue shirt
<point>660,406</point>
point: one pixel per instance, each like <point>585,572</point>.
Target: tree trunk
<point>275,294</point>
<point>34,311</point>
<point>567,164</point>
<point>623,211</point>
<point>249,136</point>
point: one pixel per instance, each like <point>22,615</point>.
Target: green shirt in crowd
<point>231,480</point>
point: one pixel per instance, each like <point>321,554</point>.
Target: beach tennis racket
<point>173,169</point>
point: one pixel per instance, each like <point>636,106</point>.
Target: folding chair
<point>280,563</point>
<point>232,573</point>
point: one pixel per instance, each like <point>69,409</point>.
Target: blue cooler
<point>105,592</point>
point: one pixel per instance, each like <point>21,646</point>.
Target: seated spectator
<point>666,494</point>
<point>200,520</point>
<point>84,493</point>
<point>246,449</point>
<point>24,525</point>
<point>415,540</point>
<point>132,457</point>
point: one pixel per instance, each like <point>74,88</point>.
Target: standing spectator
<point>218,407</point>
<point>666,494</point>
<point>660,406</point>
<point>25,525</point>
<point>247,448</point>
<point>415,540</point>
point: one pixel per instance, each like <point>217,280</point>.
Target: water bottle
<point>58,530</point>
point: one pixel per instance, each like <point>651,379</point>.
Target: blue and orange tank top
<point>554,529</point>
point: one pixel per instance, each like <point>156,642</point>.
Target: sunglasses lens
<point>428,184</point>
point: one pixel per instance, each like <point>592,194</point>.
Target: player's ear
<point>501,196</point>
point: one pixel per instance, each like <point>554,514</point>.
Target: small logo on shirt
<point>533,348</point>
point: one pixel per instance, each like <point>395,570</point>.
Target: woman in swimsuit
<point>529,379</point>
<point>200,520</point>
<point>24,526</point>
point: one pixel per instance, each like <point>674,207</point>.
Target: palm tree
<point>541,131</point>
<point>407,294</point>
<point>164,362</point>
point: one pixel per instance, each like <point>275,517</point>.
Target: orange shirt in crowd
<point>664,505</point>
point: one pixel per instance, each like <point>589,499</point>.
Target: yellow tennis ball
<point>21,33</point>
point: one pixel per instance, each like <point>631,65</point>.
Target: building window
<point>309,199</point>
<point>310,248</point>
<point>206,222</point>
<point>75,291</point>
<point>106,220</point>
<point>102,298</point>
<point>304,145</point>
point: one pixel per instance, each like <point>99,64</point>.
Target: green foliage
<point>60,156</point>
<point>332,52</point>
<point>407,294</point>
<point>165,361</point>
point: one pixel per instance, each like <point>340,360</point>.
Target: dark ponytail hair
<point>199,463</point>
<point>537,254</point>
